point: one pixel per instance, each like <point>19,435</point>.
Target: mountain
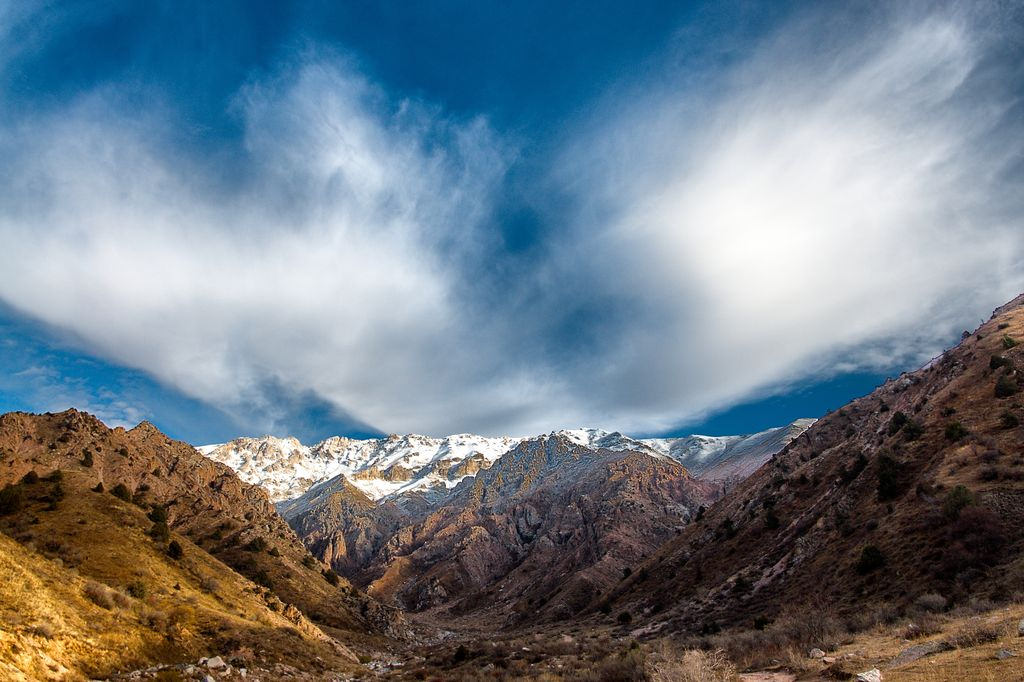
<point>431,467</point>
<point>548,526</point>
<point>377,466</point>
<point>916,488</point>
<point>126,548</point>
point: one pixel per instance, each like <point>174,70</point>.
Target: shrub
<point>160,532</point>
<point>771,521</point>
<point>274,552</point>
<point>1008,420</point>
<point>30,478</point>
<point>898,421</point>
<point>174,550</point>
<point>261,577</point>
<point>1006,386</point>
<point>308,561</point>
<point>955,431</point>
<point>98,488</point>
<point>626,572</point>
<point>209,584</point>
<point>692,665</point>
<point>889,481</point>
<point>1008,342</point>
<point>973,634</point>
<point>86,458</point>
<point>625,618</point>
<point>330,576</point>
<point>12,497</point>
<point>100,595</point>
<point>849,474</point>
<point>136,589</point>
<point>912,430</point>
<point>123,451</point>
<point>43,629</point>
<point>121,492</point>
<point>871,559</point>
<point>997,361</point>
<point>956,499</point>
<point>931,602</point>
<point>257,544</point>
<point>56,476</point>
<point>158,514</point>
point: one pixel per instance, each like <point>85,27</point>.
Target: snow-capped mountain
<point>386,467</point>
<point>380,467</point>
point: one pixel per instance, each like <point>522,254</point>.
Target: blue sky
<point>322,218</point>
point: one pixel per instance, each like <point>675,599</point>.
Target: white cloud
<point>837,202</point>
<point>846,198</point>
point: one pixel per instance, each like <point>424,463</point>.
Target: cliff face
<point>914,488</point>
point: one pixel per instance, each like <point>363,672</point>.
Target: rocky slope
<point>551,524</point>
<point>915,488</point>
<point>420,467</point>
<point>197,561</point>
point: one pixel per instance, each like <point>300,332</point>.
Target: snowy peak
<point>383,468</point>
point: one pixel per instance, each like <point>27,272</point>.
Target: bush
<point>871,559</point>
<point>210,585</point>
<point>330,576</point>
<point>100,595</point>
<point>997,361</point>
<point>1006,386</point>
<point>889,480</point>
<point>625,618</point>
<point>86,458</point>
<point>30,478</point>
<point>257,544</point>
<point>174,550</point>
<point>1008,342</point>
<point>898,421</point>
<point>12,498</point>
<point>158,514</point>
<point>1008,420</point>
<point>956,499</point>
<point>274,552</point>
<point>136,589</point>
<point>931,602</point>
<point>692,665</point>
<point>123,451</point>
<point>849,474</point>
<point>771,521</point>
<point>913,430</point>
<point>98,488</point>
<point>160,532</point>
<point>955,431</point>
<point>121,492</point>
<point>308,561</point>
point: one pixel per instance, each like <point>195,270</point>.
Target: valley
<point>887,534</point>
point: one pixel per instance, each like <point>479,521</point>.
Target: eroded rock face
<point>546,529</point>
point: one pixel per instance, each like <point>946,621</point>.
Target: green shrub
<point>890,483</point>
<point>871,559</point>
<point>849,474</point>
<point>1006,386</point>
<point>898,421</point>
<point>274,552</point>
<point>86,458</point>
<point>308,561</point>
<point>625,618</point>
<point>955,431</point>
<point>30,478</point>
<point>913,430</point>
<point>330,576</point>
<point>158,514</point>
<point>98,488</point>
<point>12,498</point>
<point>123,451</point>
<point>956,499</point>
<point>121,492</point>
<point>1008,420</point>
<point>136,589</point>
<point>174,550</point>
<point>1008,342</point>
<point>771,521</point>
<point>997,361</point>
<point>160,532</point>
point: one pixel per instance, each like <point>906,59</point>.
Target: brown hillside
<point>866,506</point>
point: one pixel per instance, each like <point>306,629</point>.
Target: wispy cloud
<point>840,198</point>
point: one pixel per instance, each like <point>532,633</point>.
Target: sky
<point>504,218</point>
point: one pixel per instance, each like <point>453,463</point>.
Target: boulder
<point>1003,654</point>
<point>920,651</point>
<point>816,653</point>
<point>873,675</point>
<point>216,663</point>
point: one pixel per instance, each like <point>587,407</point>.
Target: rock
<point>242,672</point>
<point>216,663</point>
<point>1004,654</point>
<point>920,651</point>
<point>208,678</point>
<point>828,660</point>
<point>816,653</point>
<point>873,675</point>
<point>1020,628</point>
